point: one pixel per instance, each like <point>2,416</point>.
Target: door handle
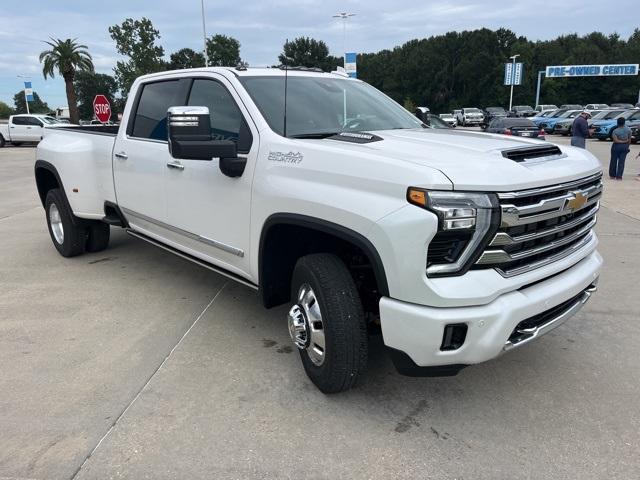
<point>121,155</point>
<point>175,165</point>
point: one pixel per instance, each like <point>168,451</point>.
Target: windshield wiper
<point>315,135</point>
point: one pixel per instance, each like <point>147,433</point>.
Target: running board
<point>191,258</point>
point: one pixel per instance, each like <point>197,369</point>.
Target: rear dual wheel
<point>72,236</point>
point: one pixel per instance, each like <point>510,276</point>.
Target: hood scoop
<point>527,153</point>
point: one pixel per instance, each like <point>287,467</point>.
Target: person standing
<point>621,137</point>
<point>580,130</point>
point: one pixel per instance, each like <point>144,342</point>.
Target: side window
<point>20,121</point>
<point>33,121</point>
<point>150,120</point>
<point>227,122</point>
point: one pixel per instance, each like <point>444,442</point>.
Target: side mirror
<point>190,135</point>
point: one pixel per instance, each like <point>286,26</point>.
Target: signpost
<point>350,64</point>
<point>102,108</point>
<point>512,76</point>
<point>28,94</point>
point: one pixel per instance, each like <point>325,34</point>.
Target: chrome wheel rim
<point>306,326</point>
<point>56,224</point>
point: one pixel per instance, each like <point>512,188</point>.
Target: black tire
<point>74,235</point>
<point>343,323</point>
<point>98,234</point>
<point>2,141</point>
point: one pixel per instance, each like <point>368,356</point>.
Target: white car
<point>457,246</point>
<point>449,119</point>
<point>596,106</point>
<point>543,108</point>
<point>470,116</point>
<point>25,128</point>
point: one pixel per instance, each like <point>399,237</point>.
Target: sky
<point>263,26</point>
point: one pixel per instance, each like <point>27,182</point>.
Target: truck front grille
<point>542,225</point>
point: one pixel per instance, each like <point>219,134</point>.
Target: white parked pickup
<point>24,128</point>
<point>333,199</point>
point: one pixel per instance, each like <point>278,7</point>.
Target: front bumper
<point>415,332</point>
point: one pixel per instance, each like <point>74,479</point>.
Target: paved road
<point>132,363</point>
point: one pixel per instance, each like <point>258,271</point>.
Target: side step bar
<point>193,259</point>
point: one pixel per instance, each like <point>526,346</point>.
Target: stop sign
<point>102,108</point>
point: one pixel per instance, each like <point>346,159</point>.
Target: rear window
<point>519,122</point>
<point>150,120</point>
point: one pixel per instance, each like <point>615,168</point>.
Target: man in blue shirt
<point>621,136</point>
<point>580,130</point>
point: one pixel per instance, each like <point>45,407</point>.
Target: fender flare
<point>44,165</point>
<point>330,228</point>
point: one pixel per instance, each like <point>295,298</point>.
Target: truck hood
<point>474,160</point>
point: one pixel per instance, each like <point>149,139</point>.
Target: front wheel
<point>68,236</point>
<point>327,323</point>
<point>2,141</point>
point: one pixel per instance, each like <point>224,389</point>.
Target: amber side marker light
<point>417,197</point>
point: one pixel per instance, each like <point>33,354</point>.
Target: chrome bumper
<point>526,335</point>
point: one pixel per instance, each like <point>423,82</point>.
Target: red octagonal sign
<point>102,108</point>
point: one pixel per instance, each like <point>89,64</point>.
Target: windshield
<point>325,105</point>
<point>49,120</point>
<point>472,110</point>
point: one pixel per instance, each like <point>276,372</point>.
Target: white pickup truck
<point>24,128</point>
<point>322,193</point>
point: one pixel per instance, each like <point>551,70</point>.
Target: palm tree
<point>67,57</point>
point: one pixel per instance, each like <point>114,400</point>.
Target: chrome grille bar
<point>547,208</point>
<point>503,238</point>
<point>540,226</point>
<point>500,256</point>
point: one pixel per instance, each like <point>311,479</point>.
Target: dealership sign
<point>592,70</point>
<point>350,64</point>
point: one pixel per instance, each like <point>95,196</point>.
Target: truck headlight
<point>466,223</point>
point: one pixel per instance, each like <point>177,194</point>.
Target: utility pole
<point>513,76</point>
<point>344,16</point>
<point>204,36</point>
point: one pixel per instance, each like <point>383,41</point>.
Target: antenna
<point>286,70</point>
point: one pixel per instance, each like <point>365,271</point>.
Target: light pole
<point>26,101</point>
<point>204,36</point>
<point>513,77</point>
<point>344,16</point>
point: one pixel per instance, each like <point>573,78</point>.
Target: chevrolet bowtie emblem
<point>577,202</point>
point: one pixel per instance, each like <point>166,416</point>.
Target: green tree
<point>308,52</point>
<point>185,58</point>
<point>5,110</point>
<point>35,106</point>
<point>90,84</point>
<point>223,51</point>
<point>66,57</point>
<point>136,39</point>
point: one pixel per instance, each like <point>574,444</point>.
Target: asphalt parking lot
<point>133,363</point>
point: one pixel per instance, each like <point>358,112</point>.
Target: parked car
<point>603,128</point>
<point>519,127</point>
<point>449,119</point>
<point>622,105</point>
<point>456,114</point>
<point>635,133</point>
<point>565,126</point>
<point>605,115</point>
<point>544,108</point>
<point>437,122</point>
<point>522,111</point>
<point>596,106</point>
<point>549,124</point>
<point>491,113</point>
<point>571,106</point>
<point>470,116</point>
<point>422,113</point>
<point>457,248</point>
<point>25,128</point>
